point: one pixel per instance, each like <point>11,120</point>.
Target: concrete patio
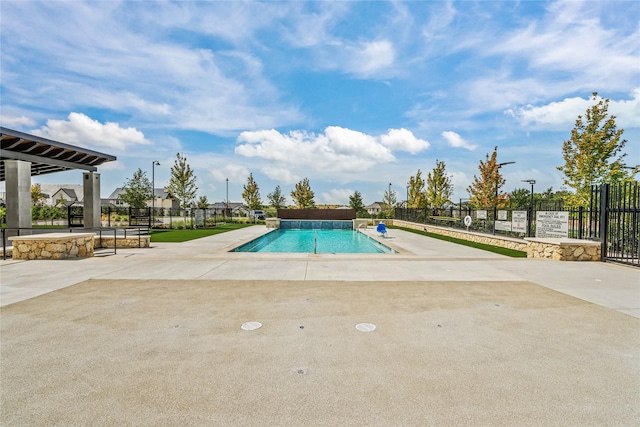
<point>153,336</point>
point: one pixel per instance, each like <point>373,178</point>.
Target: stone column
<point>91,200</point>
<point>18,188</point>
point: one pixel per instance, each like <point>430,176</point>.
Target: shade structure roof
<point>46,155</point>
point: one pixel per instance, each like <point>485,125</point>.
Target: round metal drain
<point>251,326</point>
<point>366,327</point>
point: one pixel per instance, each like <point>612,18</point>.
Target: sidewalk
<point>454,336</point>
<point>609,285</point>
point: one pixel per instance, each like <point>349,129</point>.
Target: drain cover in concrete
<point>366,327</point>
<point>251,326</point>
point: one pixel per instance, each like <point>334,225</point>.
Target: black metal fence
<point>620,222</point>
<point>612,217</point>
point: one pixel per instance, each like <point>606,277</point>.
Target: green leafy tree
<point>483,190</point>
<point>203,202</point>
<point>38,198</point>
<point>251,194</point>
<point>277,199</point>
<point>417,194</point>
<point>592,154</point>
<point>302,195</point>
<point>439,186</point>
<point>520,198</point>
<point>356,202</point>
<point>137,190</point>
<point>182,184</point>
<point>389,201</point>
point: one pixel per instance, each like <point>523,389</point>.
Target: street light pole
<point>226,204</point>
<point>153,191</point>
<point>495,205</point>
<point>530,181</point>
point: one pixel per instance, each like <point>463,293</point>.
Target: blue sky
<point>351,95</point>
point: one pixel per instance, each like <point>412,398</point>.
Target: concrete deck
<point>152,336</point>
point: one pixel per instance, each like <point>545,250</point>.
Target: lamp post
<point>495,206</point>
<point>407,204</point>
<point>530,219</point>
<point>226,203</point>
<point>389,196</point>
<point>153,191</point>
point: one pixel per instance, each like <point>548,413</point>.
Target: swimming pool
<point>336,241</point>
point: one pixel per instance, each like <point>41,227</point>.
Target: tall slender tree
<point>439,186</point>
<point>417,195</point>
<point>484,188</point>
<point>251,194</point>
<point>355,202</point>
<point>592,154</point>
<point>203,202</point>
<point>277,199</point>
<point>182,184</point>
<point>137,190</point>
<point>389,201</point>
<point>302,195</point>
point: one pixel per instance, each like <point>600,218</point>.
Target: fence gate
<point>620,222</point>
<point>75,216</point>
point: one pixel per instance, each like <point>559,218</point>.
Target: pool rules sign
<point>552,224</point>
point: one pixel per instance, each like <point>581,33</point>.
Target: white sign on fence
<point>481,214</point>
<point>552,224</point>
<point>502,215</point>
<point>503,225</point>
<point>519,221</point>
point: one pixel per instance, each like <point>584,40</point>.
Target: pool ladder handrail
<point>315,241</point>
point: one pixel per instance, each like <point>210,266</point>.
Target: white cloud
<point>563,114</point>
<point>83,131</point>
<point>15,121</point>
<point>336,151</point>
<point>234,172</point>
<point>279,174</point>
<point>371,57</point>
<point>403,140</point>
<point>337,196</point>
<point>456,141</point>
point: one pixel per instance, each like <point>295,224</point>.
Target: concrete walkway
<point>609,285</point>
<point>439,334</point>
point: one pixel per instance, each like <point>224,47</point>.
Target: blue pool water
<point>337,241</point>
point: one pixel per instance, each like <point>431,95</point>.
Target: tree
<point>203,202</point>
<point>590,153</point>
<point>303,196</point>
<point>182,184</point>
<point>137,190</point>
<point>389,201</point>
<point>417,196</point>
<point>355,202</point>
<point>520,198</point>
<point>37,196</point>
<point>439,186</point>
<point>483,190</point>
<point>251,194</point>
<point>277,199</point>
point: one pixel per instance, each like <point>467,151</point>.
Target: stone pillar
<point>91,200</point>
<point>18,188</point>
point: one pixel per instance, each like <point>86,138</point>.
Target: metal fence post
<point>604,220</point>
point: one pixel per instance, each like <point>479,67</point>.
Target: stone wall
<point>122,242</point>
<point>53,247</point>
<point>555,249</point>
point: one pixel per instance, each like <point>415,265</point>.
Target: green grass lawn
<point>496,249</point>
<point>184,235</point>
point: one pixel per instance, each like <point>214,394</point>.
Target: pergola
<point>23,155</point>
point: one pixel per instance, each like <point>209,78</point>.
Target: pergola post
<point>91,200</point>
<point>18,189</point>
